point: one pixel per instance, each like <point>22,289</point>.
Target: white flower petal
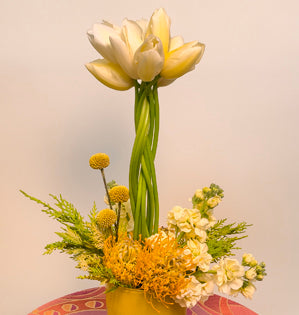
<point>99,38</point>
<point>133,35</point>
<point>123,56</point>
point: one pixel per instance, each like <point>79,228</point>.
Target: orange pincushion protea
<point>158,266</point>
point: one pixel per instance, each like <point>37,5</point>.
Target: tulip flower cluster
<point>141,50</point>
<point>142,54</point>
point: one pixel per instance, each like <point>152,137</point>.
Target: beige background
<point>232,121</point>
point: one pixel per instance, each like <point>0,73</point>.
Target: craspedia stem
<point>117,221</point>
<point>106,188</point>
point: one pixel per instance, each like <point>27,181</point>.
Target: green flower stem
<point>106,188</point>
<point>137,152</point>
<point>117,221</point>
<point>142,177</point>
<point>157,122</point>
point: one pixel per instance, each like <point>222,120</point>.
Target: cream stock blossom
<point>250,274</point>
<point>194,292</point>
<point>248,259</point>
<point>199,253</point>
<point>248,291</point>
<point>188,221</point>
<point>161,236</point>
<point>141,50</point>
<point>228,275</point>
<point>213,202</point>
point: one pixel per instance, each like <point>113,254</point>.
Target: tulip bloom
<point>141,50</point>
<point>142,54</point>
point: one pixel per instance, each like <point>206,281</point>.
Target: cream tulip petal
<point>115,27</point>
<point>176,42</point>
<point>143,23</point>
<point>132,34</point>
<point>110,74</point>
<point>159,25</point>
<point>182,60</point>
<point>149,58</point>
<point>99,38</point>
<point>123,56</point>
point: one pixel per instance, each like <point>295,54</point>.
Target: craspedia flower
<point>119,194</point>
<point>106,218</point>
<point>99,161</point>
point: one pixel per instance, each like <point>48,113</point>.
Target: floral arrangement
<point>123,244</point>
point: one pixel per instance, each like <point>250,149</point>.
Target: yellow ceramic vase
<point>125,301</point>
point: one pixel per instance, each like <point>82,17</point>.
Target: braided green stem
<point>142,176</point>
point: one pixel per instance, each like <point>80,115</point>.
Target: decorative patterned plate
<point>93,302</point>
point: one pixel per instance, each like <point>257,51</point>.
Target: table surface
<point>93,302</point>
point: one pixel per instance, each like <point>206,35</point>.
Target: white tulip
<point>149,58</point>
<point>143,50</point>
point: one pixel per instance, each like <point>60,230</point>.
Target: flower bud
<point>253,263</point>
<point>250,274</point>
<point>247,259</point>
<point>259,277</point>
<point>199,194</point>
<point>206,190</point>
<point>213,202</point>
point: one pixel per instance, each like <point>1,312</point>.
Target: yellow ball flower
<point>106,218</point>
<point>99,161</point>
<point>119,194</point>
